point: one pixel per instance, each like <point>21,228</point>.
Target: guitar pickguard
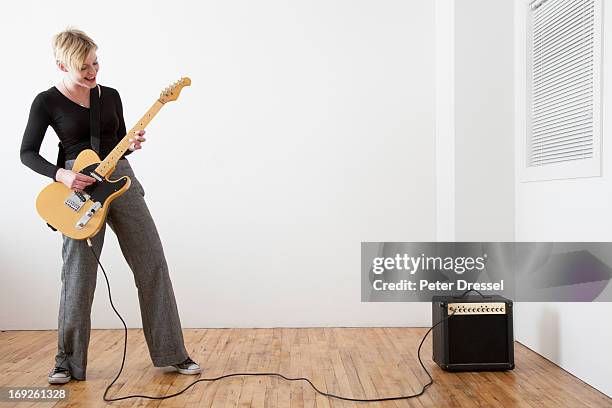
<point>97,192</point>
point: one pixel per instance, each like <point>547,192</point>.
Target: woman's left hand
<point>137,140</point>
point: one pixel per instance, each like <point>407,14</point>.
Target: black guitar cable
<point>429,383</point>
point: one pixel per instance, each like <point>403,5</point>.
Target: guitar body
<point>80,215</point>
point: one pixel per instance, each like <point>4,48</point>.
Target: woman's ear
<point>61,66</point>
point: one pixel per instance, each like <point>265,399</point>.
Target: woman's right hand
<point>72,180</point>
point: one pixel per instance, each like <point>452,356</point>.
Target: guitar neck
<point>110,161</point>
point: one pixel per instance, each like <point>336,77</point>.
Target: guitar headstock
<point>172,92</point>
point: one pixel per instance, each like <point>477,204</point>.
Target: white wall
<point>474,120</point>
<point>484,168</point>
<point>445,120</point>
<point>576,336</point>
<point>308,129</point>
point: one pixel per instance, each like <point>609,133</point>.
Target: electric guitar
<point>81,214</point>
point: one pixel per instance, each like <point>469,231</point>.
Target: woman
<point>65,107</point>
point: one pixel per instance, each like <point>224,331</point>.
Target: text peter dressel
<point>423,284</point>
<point>413,264</point>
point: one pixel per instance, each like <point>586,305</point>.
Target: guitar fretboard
<point>110,161</point>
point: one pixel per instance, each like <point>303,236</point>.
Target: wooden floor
<point>355,362</point>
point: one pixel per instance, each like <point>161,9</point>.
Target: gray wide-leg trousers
<point>130,220</point>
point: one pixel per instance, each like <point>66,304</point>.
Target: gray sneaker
<point>59,375</point>
<point>188,366</point>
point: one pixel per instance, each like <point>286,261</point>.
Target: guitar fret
<point>109,163</point>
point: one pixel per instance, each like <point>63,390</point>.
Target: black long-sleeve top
<point>70,121</point>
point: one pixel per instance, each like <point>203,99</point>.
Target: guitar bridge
<point>76,200</point>
<point>90,213</point>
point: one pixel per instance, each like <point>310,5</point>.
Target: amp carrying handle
<point>468,291</point>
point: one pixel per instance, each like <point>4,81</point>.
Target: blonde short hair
<point>71,47</point>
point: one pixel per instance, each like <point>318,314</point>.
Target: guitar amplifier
<point>477,337</point>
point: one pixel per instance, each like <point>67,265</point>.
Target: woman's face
<point>86,75</point>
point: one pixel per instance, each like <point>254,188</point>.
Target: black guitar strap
<point>94,129</point>
<point>94,118</point>
<point>94,126</point>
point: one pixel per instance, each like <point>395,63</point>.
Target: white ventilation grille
<point>562,83</point>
